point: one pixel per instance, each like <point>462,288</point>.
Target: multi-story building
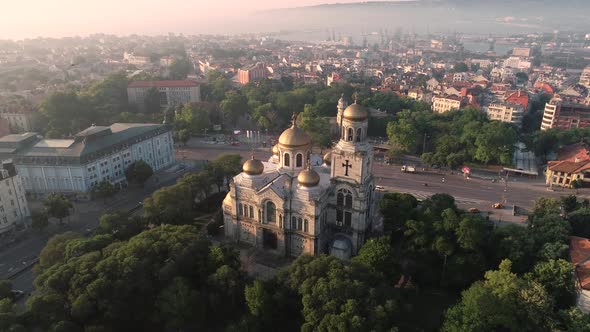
<point>521,51</point>
<point>506,112</point>
<point>443,104</point>
<point>572,164</point>
<point>253,73</point>
<point>171,92</point>
<point>137,60</point>
<point>19,120</point>
<point>585,77</point>
<point>563,115</point>
<point>95,154</point>
<point>14,209</point>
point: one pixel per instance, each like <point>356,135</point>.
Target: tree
<point>39,219</point>
<point>522,77</point>
<point>169,205</point>
<point>378,256</point>
<point>544,206</point>
<point>5,288</point>
<point>198,183</point>
<point>234,106</point>
<point>54,251</point>
<point>460,67</point>
<point>569,203</point>
<point>121,225</point>
<point>183,136</point>
<point>557,277</point>
<point>195,117</point>
<point>503,301</point>
<point>318,128</point>
<point>103,190</point>
<point>180,68</point>
<point>193,285</point>
<point>396,209</point>
<point>57,206</point>
<point>152,102</point>
<point>138,172</point>
<point>495,143</point>
<point>580,222</point>
<point>223,168</point>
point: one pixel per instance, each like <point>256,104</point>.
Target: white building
<point>299,203</point>
<point>14,209</point>
<point>137,60</point>
<point>443,104</point>
<point>517,63</point>
<point>585,77</point>
<point>95,154</point>
<point>506,112</point>
<point>19,121</point>
<point>171,92</point>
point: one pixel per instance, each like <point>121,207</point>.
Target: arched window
<point>350,134</point>
<point>280,221</point>
<point>271,213</point>
<point>358,134</point>
<point>293,223</point>
<point>344,207</point>
<point>299,222</point>
<point>251,211</point>
<point>287,160</point>
<point>240,209</point>
<point>305,226</point>
<point>299,160</point>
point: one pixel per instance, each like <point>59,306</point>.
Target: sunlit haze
<point>58,18</point>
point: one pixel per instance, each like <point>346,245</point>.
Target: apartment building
<point>171,92</point>
<point>14,209</point>
<point>443,104</point>
<point>558,114</point>
<point>506,112</point>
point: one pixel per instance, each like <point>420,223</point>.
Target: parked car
<point>408,169</point>
<point>379,188</point>
<point>473,210</point>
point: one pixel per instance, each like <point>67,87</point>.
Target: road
<point>472,192</point>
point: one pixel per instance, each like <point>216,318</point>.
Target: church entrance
<point>269,239</point>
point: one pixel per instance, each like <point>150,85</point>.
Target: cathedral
<point>300,203</point>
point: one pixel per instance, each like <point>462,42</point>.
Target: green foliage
<point>503,301</point>
<point>580,222</point>
<point>396,209</point>
<point>5,287</point>
<point>318,128</point>
<point>103,190</point>
<point>138,172</point>
<point>495,142</point>
<point>377,254</point>
<point>104,288</point>
<point>120,225</point>
<point>195,117</point>
<point>544,206</point>
<point>460,67</point>
<point>151,102</point>
<point>556,277</point>
<point>199,184</point>
<point>57,206</point>
<point>54,251</point>
<point>169,205</point>
<point>39,219</point>
<point>180,68</point>
<point>234,106</point>
<point>223,168</point>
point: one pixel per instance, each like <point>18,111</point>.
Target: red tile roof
<point>569,166</point>
<point>519,97</point>
<point>580,256</point>
<point>578,151</point>
<point>163,84</point>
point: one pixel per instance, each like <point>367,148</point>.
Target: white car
<point>379,188</point>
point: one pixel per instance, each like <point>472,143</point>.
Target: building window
<point>271,213</point>
<point>299,224</point>
<point>344,207</point>
<point>287,160</point>
<point>358,134</point>
<point>240,210</point>
<point>350,134</point>
<point>293,223</point>
<point>280,221</point>
<point>299,160</point>
<point>305,226</point>
<point>251,211</point>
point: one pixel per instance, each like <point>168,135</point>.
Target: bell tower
<point>352,176</point>
<point>342,104</point>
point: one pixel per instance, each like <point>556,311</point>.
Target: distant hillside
<point>476,16</point>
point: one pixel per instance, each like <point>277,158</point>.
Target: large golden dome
<point>253,167</point>
<point>294,137</point>
<point>355,112</point>
<point>308,178</point>
<point>275,149</point>
<point>328,158</point>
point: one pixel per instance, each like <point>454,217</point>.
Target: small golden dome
<point>275,149</point>
<point>355,112</point>
<point>308,178</point>
<point>328,158</point>
<point>294,137</point>
<point>253,167</point>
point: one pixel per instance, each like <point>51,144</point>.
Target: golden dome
<point>275,149</point>
<point>355,112</point>
<point>308,178</point>
<point>253,167</point>
<point>294,137</point>
<point>328,158</point>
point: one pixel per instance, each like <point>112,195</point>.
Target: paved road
<point>468,192</point>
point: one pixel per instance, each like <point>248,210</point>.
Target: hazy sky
<point>56,18</point>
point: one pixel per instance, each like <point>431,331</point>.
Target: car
<point>16,294</point>
<point>473,210</point>
<point>498,206</point>
<point>379,188</point>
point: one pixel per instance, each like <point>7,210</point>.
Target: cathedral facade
<point>300,203</point>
